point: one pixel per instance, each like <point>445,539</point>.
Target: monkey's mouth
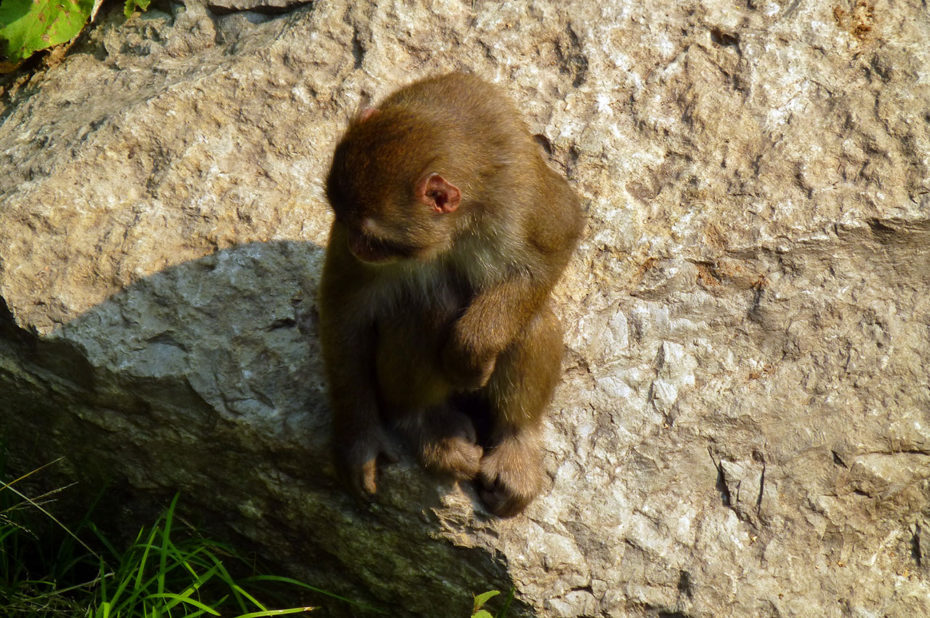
<point>374,251</point>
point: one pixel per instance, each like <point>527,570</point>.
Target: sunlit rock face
<point>743,426</point>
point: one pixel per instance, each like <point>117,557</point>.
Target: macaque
<point>450,230</point>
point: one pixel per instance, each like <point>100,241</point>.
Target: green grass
<point>48,569</point>
<point>164,576</point>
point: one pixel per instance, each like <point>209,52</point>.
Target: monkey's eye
<point>397,249</point>
<point>370,248</point>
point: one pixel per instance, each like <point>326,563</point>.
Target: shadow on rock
<point>206,378</point>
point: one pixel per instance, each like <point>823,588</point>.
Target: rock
<point>744,422</point>
<point>259,6</point>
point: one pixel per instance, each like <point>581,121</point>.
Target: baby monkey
<point>450,231</point>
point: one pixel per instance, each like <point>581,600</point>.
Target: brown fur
<point>450,232</point>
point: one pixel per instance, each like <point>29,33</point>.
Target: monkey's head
<point>389,187</point>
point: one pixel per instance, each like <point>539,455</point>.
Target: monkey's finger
<point>500,500</point>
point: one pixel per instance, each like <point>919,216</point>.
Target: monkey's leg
<point>444,440</point>
<point>415,394</point>
<point>519,391</point>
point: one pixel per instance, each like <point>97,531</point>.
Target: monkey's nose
<point>370,227</point>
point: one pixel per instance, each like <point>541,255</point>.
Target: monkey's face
<point>383,194</point>
<point>386,232</point>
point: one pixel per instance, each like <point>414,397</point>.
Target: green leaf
<point>132,5</point>
<point>482,613</point>
<point>480,600</point>
<point>27,26</point>
<point>484,597</point>
<point>177,598</point>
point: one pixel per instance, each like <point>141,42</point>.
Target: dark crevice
<point>544,142</point>
<point>572,58</point>
<point>755,313</point>
<point>721,484</point>
<point>761,489</point>
<point>916,553</point>
<point>685,585</point>
<point>722,38</point>
<point>882,231</point>
<point>166,338</point>
<point>358,50</point>
<point>283,323</point>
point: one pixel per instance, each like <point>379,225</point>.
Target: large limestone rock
<point>744,423</point>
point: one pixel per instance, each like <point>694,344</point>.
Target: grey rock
<point>744,423</point>
<point>259,6</point>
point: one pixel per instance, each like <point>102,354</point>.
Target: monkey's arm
<point>348,343</point>
<point>497,314</point>
<point>491,322</point>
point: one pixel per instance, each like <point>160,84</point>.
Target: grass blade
<point>41,509</point>
<point>166,536</point>
<point>300,584</point>
<point>176,598</point>
<point>192,588</point>
<point>277,612</point>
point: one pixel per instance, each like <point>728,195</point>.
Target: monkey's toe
<point>503,499</point>
<point>508,484</point>
<point>368,479</point>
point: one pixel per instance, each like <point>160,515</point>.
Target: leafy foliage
<point>132,5</point>
<point>27,26</point>
<point>478,608</point>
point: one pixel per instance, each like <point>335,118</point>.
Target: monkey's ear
<point>438,193</point>
<point>367,113</point>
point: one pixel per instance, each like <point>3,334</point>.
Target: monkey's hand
<point>358,459</point>
<point>489,325</point>
<point>465,369</point>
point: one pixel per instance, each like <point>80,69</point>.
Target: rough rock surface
<point>744,423</point>
<point>260,6</point>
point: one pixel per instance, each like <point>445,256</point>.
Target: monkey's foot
<point>448,444</point>
<point>511,476</point>
<point>358,462</point>
<point>456,456</point>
